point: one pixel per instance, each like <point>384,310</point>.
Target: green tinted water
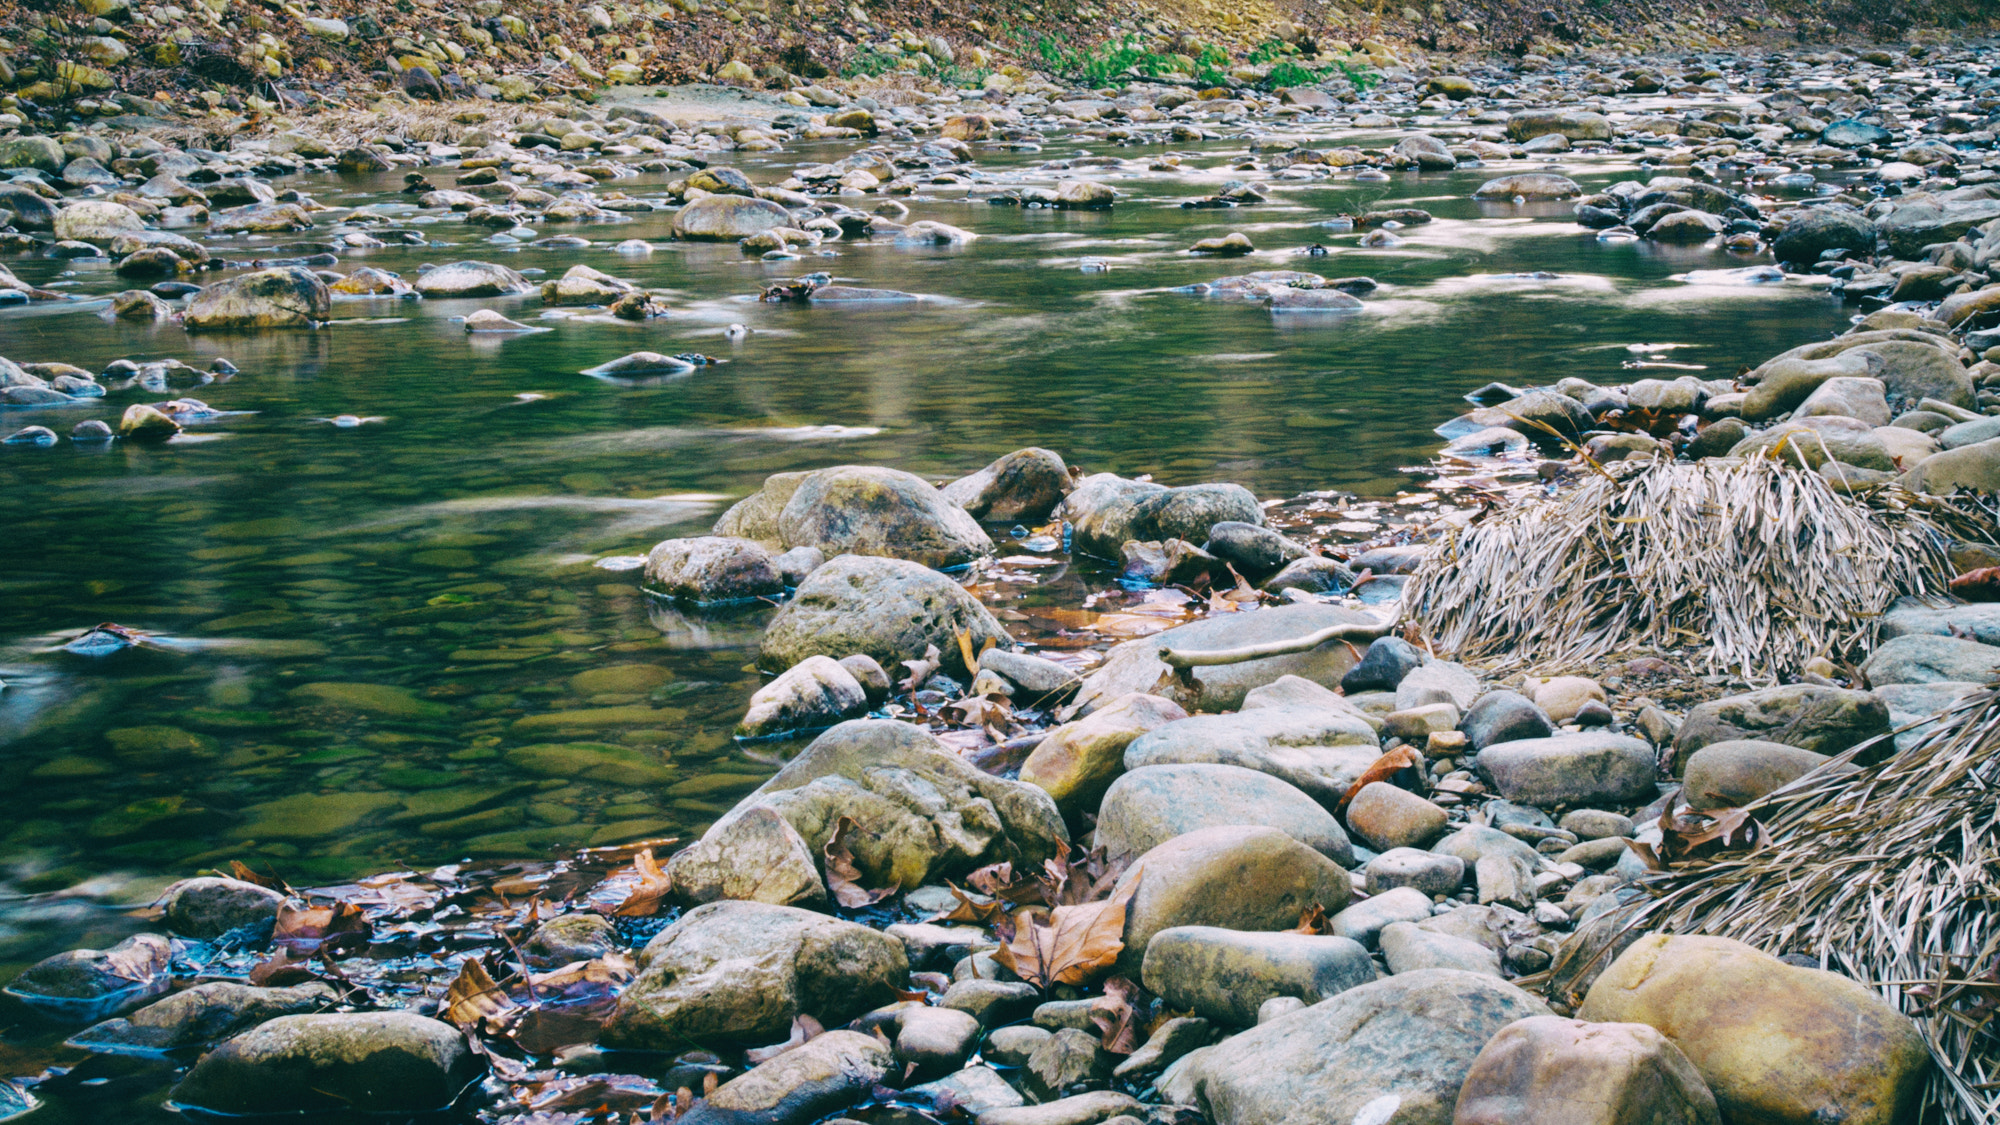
<point>386,646</point>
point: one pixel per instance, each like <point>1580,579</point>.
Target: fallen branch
<point>1182,659</point>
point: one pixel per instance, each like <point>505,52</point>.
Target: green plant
<point>1110,63</point>
<point>868,63</point>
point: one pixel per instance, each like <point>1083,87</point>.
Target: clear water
<point>440,558</point>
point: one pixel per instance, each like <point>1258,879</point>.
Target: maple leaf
<point>1115,1015</point>
<point>991,913</point>
<point>843,879</point>
<point>1384,768</point>
<point>653,886</point>
<point>1079,941</point>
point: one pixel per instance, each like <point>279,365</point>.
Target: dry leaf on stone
<point>922,670</point>
<point>1312,920</point>
<point>652,888</point>
<point>1384,768</point>
<point>843,879</point>
<point>1722,830</point>
<point>242,872</point>
<point>1115,1015</point>
<point>1066,883</point>
<point>1078,941</point>
<point>990,913</point>
<point>1000,881</point>
<point>965,652</point>
<point>1982,585</point>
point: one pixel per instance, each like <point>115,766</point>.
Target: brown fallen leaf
<point>241,872</point>
<point>1078,941</point>
<point>653,887</point>
<point>843,879</point>
<point>475,1002</point>
<point>999,880</point>
<point>804,1028</point>
<point>1115,1015</point>
<point>989,913</point>
<point>1382,769</point>
<point>1312,920</point>
<point>304,929</point>
<point>965,652</point>
<point>922,670</point>
<point>1981,585</point>
<point>1721,830</point>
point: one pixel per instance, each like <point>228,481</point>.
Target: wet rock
<point>1546,1070</point>
<point>573,937</point>
<point>202,1014</point>
<point>992,1002</point>
<point>1850,133</point>
<point>1108,510</point>
<point>1824,720</point>
<point>813,694</point>
<point>1232,245</point>
<point>976,1088</point>
<point>712,568</point>
<point>96,221</point>
<point>1236,877</point>
<point>1577,125</point>
<point>1412,1037</point>
<point>208,907</point>
<point>889,609</point>
<point>740,972</point>
<point>284,297</point>
<point>866,510</point>
<point>83,985</point>
<point>1255,551</point>
<point>371,1062</point>
<point>143,423</point>
<point>1383,666</point>
<point>1314,574</point>
<point>1225,975</point>
<point>471,279</point>
<point>582,285</point>
<point>1732,774</point>
<point>1316,750</point>
<point>828,1073</point>
<point>924,813</point>
<point>1075,763</point>
<point>1025,485</point>
<point>1571,769</point>
<point>137,304</point>
<point>1529,185</point>
<point>756,856</point>
<point>485,320</point>
<point>726,218</point>
<point>1147,807</point>
<point>1921,658</point>
<point>1085,195</point>
<point>1174,562</point>
<point>261,218</point>
<point>1773,1041</point>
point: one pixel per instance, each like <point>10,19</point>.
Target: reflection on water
<point>385,645</point>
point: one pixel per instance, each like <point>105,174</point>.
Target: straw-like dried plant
<point>1890,876</point>
<point>1750,568</point>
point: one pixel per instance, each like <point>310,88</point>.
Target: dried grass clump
<point>1749,568</point>
<point>1890,876</point>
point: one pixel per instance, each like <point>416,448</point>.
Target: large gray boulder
<point>1318,751</point>
<point>1571,770</point>
<point>890,609</point>
<point>1411,1037</point>
<point>1226,975</point>
<point>96,220</point>
<point>1975,621</point>
<point>354,1062</point>
<point>1147,807</point>
<point>1825,720</point>
<point>738,973</point>
<point>924,813</point>
<point>1922,658</point>
<point>1975,467</point>
<point>726,218</point>
<point>868,510</point>
<point>1821,229</point>
<point>1107,510</point>
<point>1921,221</point>
<point>283,297</point>
<point>1135,665</point>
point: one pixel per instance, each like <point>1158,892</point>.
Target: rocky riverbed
<point>1211,829</point>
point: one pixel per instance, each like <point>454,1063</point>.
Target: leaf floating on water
<point>1078,942</point>
<point>653,886</point>
<point>843,879</point>
<point>305,929</point>
<point>475,1002</point>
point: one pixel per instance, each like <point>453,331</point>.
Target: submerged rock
<point>83,985</point>
<point>370,1062</point>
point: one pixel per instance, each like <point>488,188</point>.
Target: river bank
<point>1424,816</point>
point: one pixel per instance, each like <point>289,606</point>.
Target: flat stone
<point>1226,975</point>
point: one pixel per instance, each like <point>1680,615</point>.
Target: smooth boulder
<point>1546,1070</point>
<point>1571,770</point>
<point>890,609</point>
<point>367,1062</point>
<point>868,510</point>
<point>282,297</point>
<point>1238,877</point>
<point>1226,975</point>
<point>1147,807</point>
